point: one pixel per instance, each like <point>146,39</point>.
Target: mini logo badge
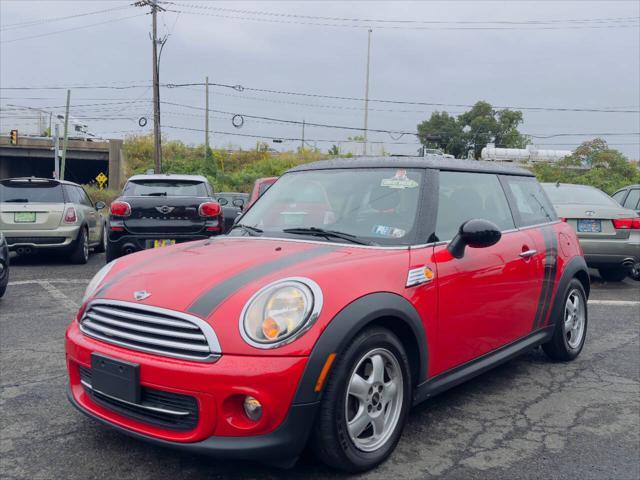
<point>141,294</point>
<point>590,213</point>
<point>165,209</point>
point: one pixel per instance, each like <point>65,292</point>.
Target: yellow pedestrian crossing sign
<point>101,178</point>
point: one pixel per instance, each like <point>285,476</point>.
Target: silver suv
<point>46,214</point>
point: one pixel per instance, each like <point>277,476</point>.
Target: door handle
<point>528,253</point>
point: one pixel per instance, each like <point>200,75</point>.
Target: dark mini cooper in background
<point>350,291</point>
<point>160,210</point>
<point>4,264</point>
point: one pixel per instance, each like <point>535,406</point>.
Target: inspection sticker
<point>399,180</point>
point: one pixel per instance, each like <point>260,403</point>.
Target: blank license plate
<point>163,243</point>
<point>589,226</point>
<point>115,378</point>
<point>24,217</point>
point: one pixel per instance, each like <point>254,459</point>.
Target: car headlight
<point>97,280</point>
<point>280,312</point>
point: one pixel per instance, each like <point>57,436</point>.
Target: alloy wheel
<point>574,319</point>
<point>374,399</point>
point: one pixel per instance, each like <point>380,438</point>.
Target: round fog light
<point>252,408</point>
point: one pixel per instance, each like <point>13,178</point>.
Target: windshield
<point>169,188</point>
<point>34,191</point>
<point>577,194</point>
<point>375,206</point>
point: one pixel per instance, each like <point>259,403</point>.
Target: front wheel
<point>571,329</point>
<point>102,246</point>
<point>365,403</point>
<point>613,274</point>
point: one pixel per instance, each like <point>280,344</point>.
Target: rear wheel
<point>102,246</point>
<point>365,403</point>
<point>615,274</point>
<point>80,252</point>
<point>112,253</point>
<point>571,329</point>
<point>635,271</point>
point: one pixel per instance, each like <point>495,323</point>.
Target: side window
<point>531,203</point>
<point>632,199</point>
<point>83,198</point>
<point>464,196</point>
<point>619,196</point>
<point>71,194</point>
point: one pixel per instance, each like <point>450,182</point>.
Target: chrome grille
<point>150,329</point>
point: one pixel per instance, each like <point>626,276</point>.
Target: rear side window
<point>165,188</point>
<point>464,196</point>
<point>30,192</point>
<point>619,196</point>
<point>73,194</point>
<point>632,199</point>
<point>531,203</point>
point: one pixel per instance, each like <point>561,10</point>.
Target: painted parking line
<point>77,281</point>
<point>615,303</point>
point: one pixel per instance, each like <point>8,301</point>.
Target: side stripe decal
<point>209,301</point>
<point>549,277</point>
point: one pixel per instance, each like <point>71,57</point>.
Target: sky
<point>561,60</point>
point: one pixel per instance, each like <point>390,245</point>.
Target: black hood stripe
<point>210,300</point>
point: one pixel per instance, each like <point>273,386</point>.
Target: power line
<point>620,24</point>
<point>30,23</point>
<point>412,21</point>
<point>72,29</point>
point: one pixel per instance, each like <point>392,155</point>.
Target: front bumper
<point>611,253</point>
<point>219,388</point>
<point>60,238</point>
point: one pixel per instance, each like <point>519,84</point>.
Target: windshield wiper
<point>18,200</point>
<point>155,194</point>
<point>321,232</point>
<point>252,231</point>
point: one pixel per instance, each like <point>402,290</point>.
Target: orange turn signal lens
<point>270,328</point>
<point>324,372</point>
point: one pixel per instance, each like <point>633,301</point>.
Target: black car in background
<point>161,210</point>
<point>4,264</point>
<point>233,204</point>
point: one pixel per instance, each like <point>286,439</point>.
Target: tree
<point>472,130</point>
<point>334,150</point>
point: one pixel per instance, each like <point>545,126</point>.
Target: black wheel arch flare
<point>574,268</point>
<point>382,308</point>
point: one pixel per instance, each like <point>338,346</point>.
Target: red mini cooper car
<point>350,291</point>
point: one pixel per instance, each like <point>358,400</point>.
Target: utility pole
<point>56,151</point>
<point>157,150</point>
<point>206,118</point>
<point>302,143</point>
<point>366,93</point>
<point>66,133</point>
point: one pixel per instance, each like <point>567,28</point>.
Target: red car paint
<point>488,299</point>
<point>259,187</point>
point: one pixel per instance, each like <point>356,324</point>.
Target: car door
<point>487,298</point>
<point>89,214</point>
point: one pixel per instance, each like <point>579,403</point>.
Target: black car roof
<point>415,162</point>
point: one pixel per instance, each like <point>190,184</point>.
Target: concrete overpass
<point>34,156</point>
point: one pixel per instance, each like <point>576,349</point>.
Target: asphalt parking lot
<point>529,418</point>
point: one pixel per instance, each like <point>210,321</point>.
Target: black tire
<point>615,274</point>
<point>559,348</point>
<point>330,440</point>
<point>634,273</point>
<point>80,250</point>
<point>111,254</point>
<point>3,288</point>
<point>102,246</point>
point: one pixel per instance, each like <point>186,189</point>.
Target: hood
<point>197,277</point>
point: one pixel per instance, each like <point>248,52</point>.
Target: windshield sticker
<point>389,232</point>
<point>399,180</point>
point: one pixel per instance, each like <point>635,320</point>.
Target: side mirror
<point>476,233</point>
<point>238,202</point>
<point>100,205</point>
<point>223,201</point>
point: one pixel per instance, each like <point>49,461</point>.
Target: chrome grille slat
<point>150,329</point>
<point>141,328</point>
<point>144,339</point>
<point>145,318</point>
